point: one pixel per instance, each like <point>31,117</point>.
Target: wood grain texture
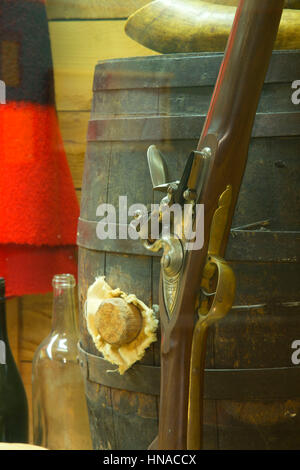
<point>35,323</point>
<point>77,46</point>
<point>73,127</point>
<point>78,194</point>
<point>26,370</point>
<point>13,327</point>
<point>96,9</point>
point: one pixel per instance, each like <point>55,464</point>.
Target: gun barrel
<point>227,132</point>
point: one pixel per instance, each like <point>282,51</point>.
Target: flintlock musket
<point>212,176</point>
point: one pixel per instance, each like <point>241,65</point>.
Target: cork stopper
<point>118,322</point>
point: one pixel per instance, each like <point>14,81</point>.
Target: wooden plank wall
<point>82,32</point>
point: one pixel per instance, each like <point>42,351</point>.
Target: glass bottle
<point>60,417</point>
<point>13,401</point>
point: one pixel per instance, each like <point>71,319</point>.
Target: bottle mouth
<point>63,280</point>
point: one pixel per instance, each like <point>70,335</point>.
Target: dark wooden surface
<point>132,94</point>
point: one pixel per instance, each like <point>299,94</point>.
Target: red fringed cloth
<point>38,204</point>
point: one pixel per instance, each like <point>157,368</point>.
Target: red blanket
<point>38,204</point>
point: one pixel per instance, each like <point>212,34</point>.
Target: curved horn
<point>293,4</point>
<point>195,26</point>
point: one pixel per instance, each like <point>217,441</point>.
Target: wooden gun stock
<point>226,133</point>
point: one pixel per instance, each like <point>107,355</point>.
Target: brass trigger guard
<point>221,305</point>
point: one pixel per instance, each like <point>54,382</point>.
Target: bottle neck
<point>3,330</point>
<point>64,313</point>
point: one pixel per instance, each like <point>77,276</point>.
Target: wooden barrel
<point>252,387</point>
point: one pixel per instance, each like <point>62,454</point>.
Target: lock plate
<point>185,191</point>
